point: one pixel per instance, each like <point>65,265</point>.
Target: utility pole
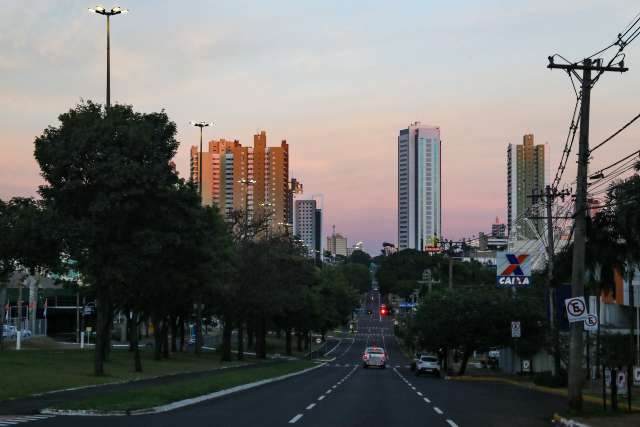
<point>576,344</point>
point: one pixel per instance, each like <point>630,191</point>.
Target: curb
<point>557,419</point>
<point>181,403</point>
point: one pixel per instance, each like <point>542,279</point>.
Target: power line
<point>629,123</point>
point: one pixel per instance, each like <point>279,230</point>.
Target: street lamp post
<point>100,10</point>
<point>200,125</point>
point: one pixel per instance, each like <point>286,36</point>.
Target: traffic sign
<point>318,340</point>
<point>621,382</point>
<point>513,270</point>
<point>576,309</point>
<point>591,322</point>
<point>526,366</point>
<point>636,375</point>
<point>516,331</point>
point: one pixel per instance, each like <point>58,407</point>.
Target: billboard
<point>513,270</point>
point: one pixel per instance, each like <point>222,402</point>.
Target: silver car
<point>428,365</point>
<point>374,356</point>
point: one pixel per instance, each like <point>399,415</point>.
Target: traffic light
<point>383,311</point>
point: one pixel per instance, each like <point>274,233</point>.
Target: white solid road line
<point>311,406</point>
<point>295,419</point>
<point>438,410</point>
<point>452,424</point>
<point>426,399</point>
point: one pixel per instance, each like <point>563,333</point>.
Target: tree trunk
<point>101,320</point>
<point>240,340</point>
<point>157,338</point>
<point>3,299</point>
<point>288,350</point>
<point>174,334</point>
<point>261,339</point>
<point>250,335</point>
<point>181,333</point>
<point>299,339</point>
<point>165,338</point>
<point>465,359</point>
<point>227,330</point>
<point>133,342</point>
<point>307,340</point>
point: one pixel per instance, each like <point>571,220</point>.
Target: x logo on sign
<point>515,262</point>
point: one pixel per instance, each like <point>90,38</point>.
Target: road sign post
<point>516,330</point>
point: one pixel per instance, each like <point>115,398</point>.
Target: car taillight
<point>365,357</point>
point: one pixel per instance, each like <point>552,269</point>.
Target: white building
<point>307,223</point>
<point>419,186</point>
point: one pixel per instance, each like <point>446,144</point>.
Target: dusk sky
<point>336,79</point>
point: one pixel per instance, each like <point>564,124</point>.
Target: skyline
<point>339,90</point>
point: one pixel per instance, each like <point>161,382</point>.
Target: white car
<point>428,365</point>
<point>9,331</point>
<point>375,356</point>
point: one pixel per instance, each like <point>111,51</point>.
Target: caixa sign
<point>513,270</point>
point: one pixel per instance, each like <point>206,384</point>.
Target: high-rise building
<point>527,175</point>
<point>227,167</point>
<point>295,187</point>
<point>337,243</point>
<point>306,225</point>
<point>498,229</point>
<point>419,186</point>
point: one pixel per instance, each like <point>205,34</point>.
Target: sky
<point>336,79</point>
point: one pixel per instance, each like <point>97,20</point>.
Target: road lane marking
<point>438,410</point>
<point>452,424</point>
<point>328,391</point>
<point>311,406</point>
<point>427,400</point>
<point>321,397</point>
<point>334,386</point>
<point>419,393</point>
<point>295,419</point>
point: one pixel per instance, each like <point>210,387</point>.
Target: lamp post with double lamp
<point>200,125</point>
<point>100,10</point>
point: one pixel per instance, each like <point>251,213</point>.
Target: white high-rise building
<point>419,186</point>
<point>306,223</point>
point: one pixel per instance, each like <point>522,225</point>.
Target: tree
<point>357,276</point>
<point>101,170</point>
<point>359,257</point>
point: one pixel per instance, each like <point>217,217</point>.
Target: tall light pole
<point>100,10</point>
<point>200,125</point>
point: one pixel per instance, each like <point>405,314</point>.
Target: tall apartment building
<point>295,187</point>
<point>527,174</point>
<point>226,168</point>
<point>308,225</point>
<point>419,186</point>
<point>337,244</point>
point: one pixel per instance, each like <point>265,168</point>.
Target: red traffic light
<point>383,311</point>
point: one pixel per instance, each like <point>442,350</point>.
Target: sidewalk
<point>614,421</point>
<point>33,405</point>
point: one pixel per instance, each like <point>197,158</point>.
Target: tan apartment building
<point>227,164</point>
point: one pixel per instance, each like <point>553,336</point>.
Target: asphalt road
<point>342,393</point>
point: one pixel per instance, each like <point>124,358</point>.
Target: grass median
<point>151,396</point>
<point>27,372</point>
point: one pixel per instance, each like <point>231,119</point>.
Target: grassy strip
<point>148,397</point>
<point>28,372</point>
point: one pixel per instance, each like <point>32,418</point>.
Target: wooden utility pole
<point>576,344</point>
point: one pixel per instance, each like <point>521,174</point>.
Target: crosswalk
<point>10,420</point>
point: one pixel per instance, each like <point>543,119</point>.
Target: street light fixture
<point>100,10</point>
<point>200,125</point>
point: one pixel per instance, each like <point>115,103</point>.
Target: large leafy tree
<point>101,171</point>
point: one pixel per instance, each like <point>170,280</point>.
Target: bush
<point>547,379</point>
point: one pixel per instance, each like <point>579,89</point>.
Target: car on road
<point>428,365</point>
<point>9,331</point>
<point>375,356</point>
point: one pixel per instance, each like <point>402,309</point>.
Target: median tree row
<point>114,209</point>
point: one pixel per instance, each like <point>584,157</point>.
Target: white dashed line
<point>295,419</point>
<point>426,399</point>
<point>311,406</point>
<point>321,397</point>
<point>438,410</point>
<point>334,386</point>
<point>419,393</point>
<point>452,424</point>
<point>328,391</point>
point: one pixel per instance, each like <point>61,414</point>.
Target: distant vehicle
<point>428,365</point>
<point>9,331</point>
<point>25,333</point>
<point>494,354</point>
<point>375,356</point>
